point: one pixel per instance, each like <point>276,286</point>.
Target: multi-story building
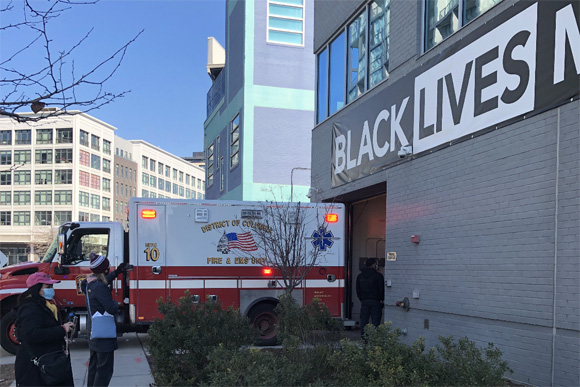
<point>450,129</point>
<point>52,172</point>
<point>63,169</point>
<point>260,108</point>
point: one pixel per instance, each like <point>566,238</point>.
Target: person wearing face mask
<point>39,329</point>
<point>371,292</point>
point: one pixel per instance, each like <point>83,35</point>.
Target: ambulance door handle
<point>156,269</point>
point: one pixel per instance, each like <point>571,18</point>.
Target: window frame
<point>44,136</point>
<point>20,140</point>
<point>235,129</point>
<point>283,3</point>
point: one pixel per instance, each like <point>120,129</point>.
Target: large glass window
<point>21,177</point>
<point>322,87</point>
<point>62,197</point>
<point>96,181</point>
<point>84,138</point>
<point>83,199</point>
<point>380,18</point>
<point>336,75</point>
<point>43,177</point>
<point>5,218</point>
<point>21,218</point>
<point>96,162</point>
<point>5,198</point>
<point>63,176</point>
<point>160,183</point>
<point>43,197</point>
<point>106,204</point>
<point>153,181</point>
<point>42,218</point>
<point>84,178</point>
<point>83,216</point>
<point>160,168</point>
<point>5,137</point>
<point>444,17</point>
<point>64,136</point>
<point>286,21</point>
<point>210,170</point>
<point>106,165</point>
<point>5,178</point>
<point>22,157</point>
<point>145,179</point>
<point>144,162</point>
<point>106,147</point>
<point>61,217</point>
<point>152,165</point>
<point>235,143</point>
<point>63,156</point>
<point>357,45</point>
<point>95,142</point>
<point>23,137</point>
<point>43,156</point>
<point>106,185</point>
<point>44,136</point>
<point>95,201</point>
<point>6,157</point>
<point>21,198</point>
<point>85,158</point>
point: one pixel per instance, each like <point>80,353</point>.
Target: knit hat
<point>99,263</point>
<point>39,278</point>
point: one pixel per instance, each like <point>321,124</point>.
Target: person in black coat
<point>371,293</point>
<point>39,330</point>
<point>102,359</point>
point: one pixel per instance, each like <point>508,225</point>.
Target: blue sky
<point>165,69</point>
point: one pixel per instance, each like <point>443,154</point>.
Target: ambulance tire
<point>264,320</point>
<point>8,339</point>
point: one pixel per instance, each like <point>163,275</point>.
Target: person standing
<point>102,351</point>
<point>371,293</point>
<point>39,329</point>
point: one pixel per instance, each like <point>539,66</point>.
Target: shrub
<point>181,342</point>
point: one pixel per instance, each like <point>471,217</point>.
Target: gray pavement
<point>131,366</point>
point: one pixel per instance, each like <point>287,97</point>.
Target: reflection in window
<point>286,22</point>
<point>42,218</point>
<point>21,218</point>
<point>357,39</point>
<point>337,75</point>
<point>322,87</point>
<point>234,143</point>
<point>380,16</point>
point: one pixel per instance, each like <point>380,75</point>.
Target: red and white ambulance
<point>209,248</point>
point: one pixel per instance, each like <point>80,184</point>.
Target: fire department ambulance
<point>210,249</point>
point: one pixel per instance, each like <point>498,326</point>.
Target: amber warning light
<point>267,271</point>
<point>332,218</point>
<point>148,214</point>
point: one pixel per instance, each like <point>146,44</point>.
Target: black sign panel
<point>526,59</point>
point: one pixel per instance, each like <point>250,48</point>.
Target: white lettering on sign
<point>566,30</point>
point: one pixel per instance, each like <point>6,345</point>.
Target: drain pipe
<point>555,249</point>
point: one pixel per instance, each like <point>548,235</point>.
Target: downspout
<point>555,250</point>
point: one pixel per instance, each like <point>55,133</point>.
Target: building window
<point>152,165</point>
<point>445,17</point>
<point>64,136</point>
<point>43,156</point>
<point>63,176</point>
<point>106,147</point>
<point>94,218</point>
<point>5,137</point>
<point>286,22</point>
<point>23,137</point>
<point>322,86</point>
<point>22,157</point>
<point>83,199</point>
<point>21,218</point>
<point>379,33</point>
<point>153,181</point>
<point>180,177</point>
<point>61,217</point>
<point>62,197</point>
<point>6,157</point>
<point>357,43</point>
<point>174,174</point>
<point>42,218</point>
<point>43,197</point>
<point>181,191</point>
<point>5,218</point>
<point>95,201</point>
<point>21,198</point>
<point>84,178</point>
<point>160,168</point>
<point>95,142</point>
<point>222,174</point>
<point>84,138</point>
<point>144,193</point>
<point>106,165</point>
<point>96,162</point>
<point>145,162</point>
<point>235,142</point>
<point>175,189</point>
<point>83,216</point>
<point>44,136</point>
<point>63,156</point>
<point>95,181</point>
<point>21,177</point>
<point>106,204</point>
<point>43,177</point>
<point>160,183</point>
<point>5,178</point>
<point>210,170</point>
<point>336,75</point>
<point>168,186</point>
<point>131,174</point>
<point>106,185</point>
<point>5,198</point>
<point>117,170</point>
<point>85,158</point>
<point>145,179</point>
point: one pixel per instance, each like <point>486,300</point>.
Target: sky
<point>165,68</point>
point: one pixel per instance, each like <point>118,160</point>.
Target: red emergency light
<point>331,218</point>
<point>267,271</point>
<point>148,214</point>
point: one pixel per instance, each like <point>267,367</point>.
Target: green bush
<point>182,341</point>
<point>310,324</point>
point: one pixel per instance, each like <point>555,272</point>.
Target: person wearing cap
<point>39,329</point>
<point>102,359</point>
<point>371,292</point>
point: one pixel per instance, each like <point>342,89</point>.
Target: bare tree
<point>55,81</point>
<point>42,238</point>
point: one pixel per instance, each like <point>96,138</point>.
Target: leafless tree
<point>55,82</point>
<point>42,238</point>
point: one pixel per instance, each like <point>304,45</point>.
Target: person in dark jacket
<point>371,293</point>
<point>39,329</point>
<point>102,359</point>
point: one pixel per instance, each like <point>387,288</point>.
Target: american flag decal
<point>243,241</point>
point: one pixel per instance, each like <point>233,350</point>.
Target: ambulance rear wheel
<point>265,320</point>
<point>8,339</point>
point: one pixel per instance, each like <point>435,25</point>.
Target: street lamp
<point>292,180</point>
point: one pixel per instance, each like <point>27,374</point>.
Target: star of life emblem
<point>322,239</point>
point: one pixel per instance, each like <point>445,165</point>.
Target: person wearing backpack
<point>40,332</point>
<point>371,293</point>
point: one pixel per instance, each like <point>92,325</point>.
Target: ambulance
<point>213,250</point>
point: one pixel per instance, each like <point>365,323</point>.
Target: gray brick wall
<point>485,210</point>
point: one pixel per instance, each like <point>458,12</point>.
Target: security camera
<point>311,192</point>
<point>405,151</point>
<point>309,195</point>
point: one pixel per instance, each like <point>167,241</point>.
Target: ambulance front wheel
<point>264,320</point>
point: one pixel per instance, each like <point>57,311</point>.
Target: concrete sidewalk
<point>131,366</point>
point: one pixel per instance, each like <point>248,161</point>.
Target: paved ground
<point>131,366</point>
